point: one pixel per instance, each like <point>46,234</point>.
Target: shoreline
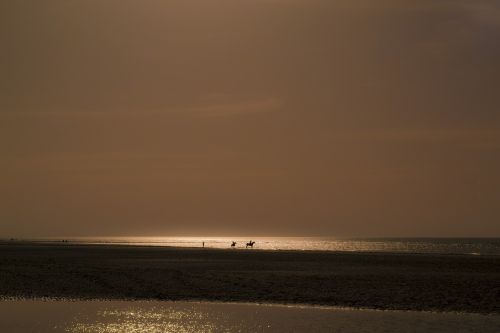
<point>359,280</point>
<point>208,248</point>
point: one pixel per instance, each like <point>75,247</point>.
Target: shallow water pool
<point>155,316</point>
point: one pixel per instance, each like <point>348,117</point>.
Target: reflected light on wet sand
<point>152,320</point>
<point>156,316</point>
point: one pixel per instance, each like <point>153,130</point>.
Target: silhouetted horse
<point>233,244</point>
<point>250,244</point>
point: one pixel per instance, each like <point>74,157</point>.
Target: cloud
<point>479,138</point>
<point>207,106</point>
<point>222,107</point>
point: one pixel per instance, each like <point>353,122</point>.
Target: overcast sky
<point>250,117</point>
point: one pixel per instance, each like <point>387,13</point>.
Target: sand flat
<point>360,280</point>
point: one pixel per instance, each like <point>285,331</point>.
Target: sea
<point>469,246</point>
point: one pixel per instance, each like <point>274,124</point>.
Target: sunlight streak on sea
<point>471,246</point>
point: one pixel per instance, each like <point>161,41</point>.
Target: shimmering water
<point>477,246</point>
<point>133,316</point>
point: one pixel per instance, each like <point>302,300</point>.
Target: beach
<point>388,281</point>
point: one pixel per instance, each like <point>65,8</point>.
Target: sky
<point>348,118</point>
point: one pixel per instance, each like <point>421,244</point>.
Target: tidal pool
<point>155,316</point>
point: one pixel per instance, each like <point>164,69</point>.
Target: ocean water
<point>471,246</point>
<point>18,316</point>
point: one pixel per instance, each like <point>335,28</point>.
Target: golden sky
<point>261,117</point>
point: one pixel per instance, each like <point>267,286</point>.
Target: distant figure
<point>203,244</point>
<point>233,244</point>
<point>250,244</point>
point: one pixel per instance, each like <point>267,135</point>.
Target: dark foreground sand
<point>365,280</point>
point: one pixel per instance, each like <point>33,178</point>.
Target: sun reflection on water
<point>99,316</point>
<point>151,320</point>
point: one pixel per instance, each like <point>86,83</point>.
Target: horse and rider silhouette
<point>249,244</point>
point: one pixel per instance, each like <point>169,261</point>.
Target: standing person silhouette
<point>203,244</point>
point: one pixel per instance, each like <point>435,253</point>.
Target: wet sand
<point>156,316</point>
<point>362,280</point>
